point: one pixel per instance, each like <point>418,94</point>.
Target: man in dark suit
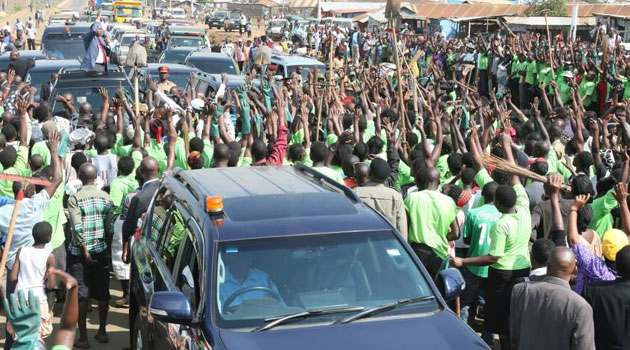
<point>96,48</point>
<point>44,92</point>
<point>19,65</point>
<point>611,306</point>
<point>149,168</point>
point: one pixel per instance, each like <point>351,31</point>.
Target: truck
<point>127,11</point>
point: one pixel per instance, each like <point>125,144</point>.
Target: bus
<point>127,11</point>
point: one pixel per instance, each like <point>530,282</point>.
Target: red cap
<point>163,69</point>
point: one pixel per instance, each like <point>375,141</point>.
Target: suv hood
<point>441,331</point>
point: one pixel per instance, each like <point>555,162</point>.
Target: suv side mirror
<point>172,307</point>
<point>452,283</point>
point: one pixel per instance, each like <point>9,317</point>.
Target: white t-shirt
<point>30,33</point>
<point>107,167</point>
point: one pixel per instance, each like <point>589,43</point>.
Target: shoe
<point>121,303</point>
<point>82,344</point>
<point>101,338</point>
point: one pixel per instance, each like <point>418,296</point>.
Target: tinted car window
<point>299,273</point>
<point>65,49</point>
<point>214,65</point>
<point>90,95</point>
<point>186,41</point>
<point>169,56</point>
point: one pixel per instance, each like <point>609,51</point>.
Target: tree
<point>556,8</point>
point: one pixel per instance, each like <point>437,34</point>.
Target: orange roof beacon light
<point>214,204</point>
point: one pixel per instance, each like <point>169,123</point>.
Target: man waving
<point>97,48</point>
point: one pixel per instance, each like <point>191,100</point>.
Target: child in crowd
<point>29,271</point>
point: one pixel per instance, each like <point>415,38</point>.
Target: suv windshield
<point>65,49</point>
<point>89,95</point>
<point>261,280</point>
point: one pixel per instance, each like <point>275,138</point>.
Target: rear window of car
<point>213,65</point>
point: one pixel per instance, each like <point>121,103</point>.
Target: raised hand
<point>104,93</point>
<point>621,192</point>
<point>580,201</point>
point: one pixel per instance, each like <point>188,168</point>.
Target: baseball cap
<point>612,242</point>
<point>163,69</point>
<point>568,74</point>
<point>197,104</point>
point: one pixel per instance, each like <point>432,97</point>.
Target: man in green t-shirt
<point>476,231</point>
<point>432,220</point>
<point>508,255</point>
<point>587,92</point>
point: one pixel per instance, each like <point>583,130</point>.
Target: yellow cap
<point>612,242</point>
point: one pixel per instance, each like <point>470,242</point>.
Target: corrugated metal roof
<point>552,21</point>
<point>267,3</point>
<point>433,10</point>
<point>587,10</point>
<point>303,4</point>
<point>350,6</point>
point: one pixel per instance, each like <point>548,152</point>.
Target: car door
<point>187,273</point>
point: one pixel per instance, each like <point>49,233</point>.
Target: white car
<point>177,14</point>
<point>275,28</point>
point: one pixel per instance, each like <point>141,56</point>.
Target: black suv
<point>281,258</point>
<point>84,86</point>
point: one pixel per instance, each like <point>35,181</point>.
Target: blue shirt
<point>31,212</point>
<point>255,278</point>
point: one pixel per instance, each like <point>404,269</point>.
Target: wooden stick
<point>401,100</point>
<point>330,61</point>
<point>7,245</point>
<point>320,101</point>
<point>136,94</point>
<point>553,78</point>
<point>458,306</point>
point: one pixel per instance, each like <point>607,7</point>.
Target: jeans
<point>472,298</point>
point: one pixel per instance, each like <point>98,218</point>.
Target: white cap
<point>197,104</point>
<point>568,74</point>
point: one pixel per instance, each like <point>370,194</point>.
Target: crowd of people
<point>542,240</point>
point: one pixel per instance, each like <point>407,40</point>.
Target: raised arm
<point>621,194</point>
<point>573,235</point>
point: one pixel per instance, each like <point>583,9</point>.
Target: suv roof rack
<point>74,71</point>
<point>306,170</point>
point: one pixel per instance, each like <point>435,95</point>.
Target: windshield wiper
<point>381,308</point>
<point>276,321</point>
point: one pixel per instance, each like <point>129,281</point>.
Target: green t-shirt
<point>442,167</point>
<point>18,168</point>
<point>431,214</point>
<point>565,90</point>
<point>404,175</point>
<point>42,149</point>
<point>587,88</point>
<point>331,173</point>
<point>626,85</point>
<point>120,187</point>
<point>477,227</point>
<point>55,215</point>
<point>509,237</point>
<point>208,154</point>
<point>156,151</point>
<point>602,218</point>
<point>531,69</point>
<point>484,58</point>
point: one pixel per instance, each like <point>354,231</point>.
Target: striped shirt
<point>90,214</point>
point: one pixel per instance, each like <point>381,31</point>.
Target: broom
<point>495,163</point>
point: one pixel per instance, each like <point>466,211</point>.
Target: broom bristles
<point>511,168</point>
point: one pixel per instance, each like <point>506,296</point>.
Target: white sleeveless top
<point>32,271</point>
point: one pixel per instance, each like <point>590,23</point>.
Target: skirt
<point>498,292</point>
<point>121,270</point>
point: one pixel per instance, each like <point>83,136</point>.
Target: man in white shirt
<point>19,26</point>
<point>30,32</point>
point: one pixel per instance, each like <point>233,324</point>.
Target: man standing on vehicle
<point>164,84</point>
<point>96,48</point>
<point>91,211</point>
